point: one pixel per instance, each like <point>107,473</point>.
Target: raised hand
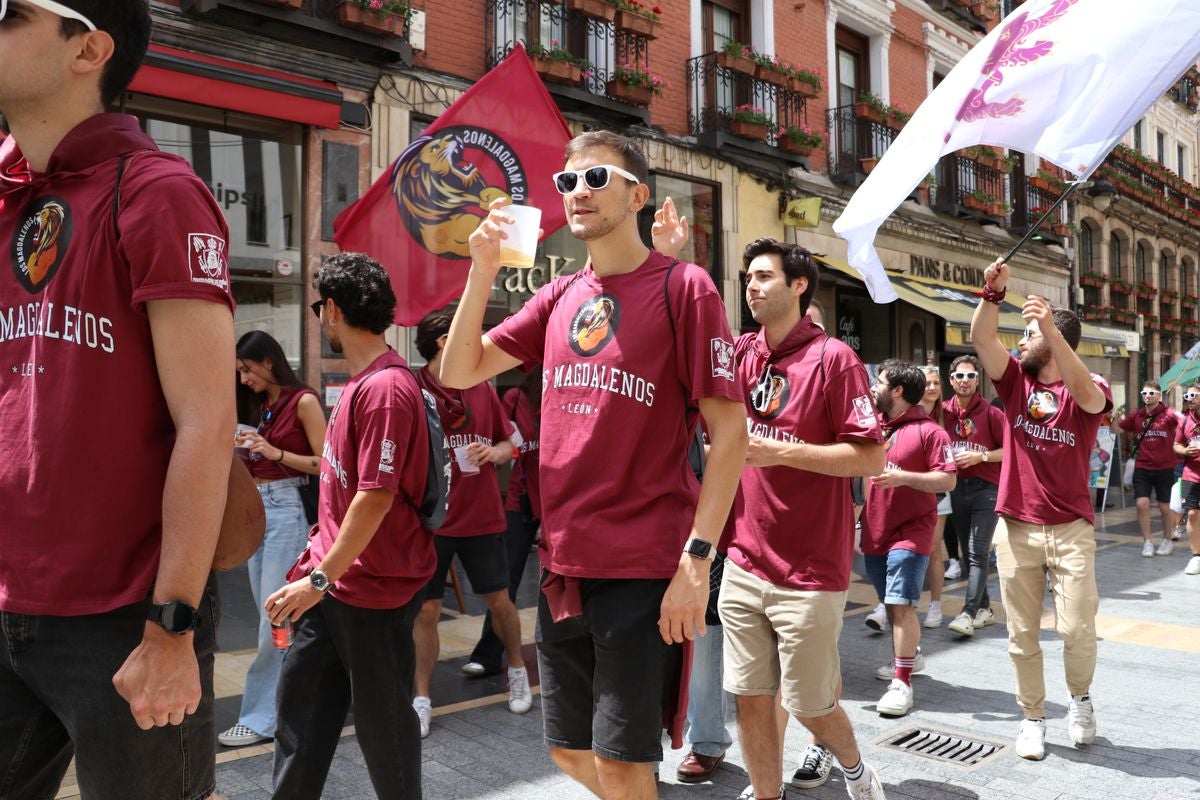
<point>669,233</point>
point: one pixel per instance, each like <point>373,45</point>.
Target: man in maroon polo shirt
<point>1053,406</point>
<point>899,519</point>
<point>1187,447</point>
<point>116,353</point>
<point>1153,427</point>
<point>812,428</point>
<point>631,347</point>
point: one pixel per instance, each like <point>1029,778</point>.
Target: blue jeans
<point>708,705</point>
<point>974,501</point>
<point>57,701</point>
<point>287,533</point>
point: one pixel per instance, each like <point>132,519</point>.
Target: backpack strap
<point>116,203</point>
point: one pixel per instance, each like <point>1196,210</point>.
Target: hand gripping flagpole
<point>1034,227</point>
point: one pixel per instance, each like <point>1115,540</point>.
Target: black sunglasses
<point>316,307</point>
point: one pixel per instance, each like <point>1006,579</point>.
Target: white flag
<point>1064,79</point>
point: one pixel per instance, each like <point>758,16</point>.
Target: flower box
<point>893,122</point>
<point>867,164</point>
<point>976,204</point>
<point>748,130</point>
<point>1190,300</point>
<point>1092,279</point>
<point>742,64</point>
<point>596,9</point>
<point>359,18</point>
<point>1120,288</point>
<point>770,75</point>
<point>1039,183</point>
<point>635,95</point>
<point>281,3</point>
<point>557,71</point>
<point>637,24</point>
<point>788,145</point>
<point>803,88</point>
<point>868,112</point>
<point>1145,292</point>
<point>1060,229</point>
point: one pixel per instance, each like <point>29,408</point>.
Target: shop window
<point>916,342</point>
<point>700,203</point>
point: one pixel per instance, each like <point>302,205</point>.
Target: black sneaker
<point>815,765</point>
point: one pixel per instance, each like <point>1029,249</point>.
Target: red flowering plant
<point>752,115</point>
<point>640,8</point>
<point>814,77</point>
<point>633,75</point>
<point>804,136</point>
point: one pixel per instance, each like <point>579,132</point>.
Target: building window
<point>1162,147</point>
<point>1139,265</point>
<point>1115,268</point>
<point>1164,271</point>
<point>853,66</point>
<point>1137,136</point>
<point>725,21</point>
<point>1181,161</point>
<point>700,203</point>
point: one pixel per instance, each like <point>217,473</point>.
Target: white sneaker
<point>1148,549</point>
<point>1165,548</point>
<point>897,701</point>
<point>984,618</point>
<point>1081,720</point>
<point>888,671</point>
<point>933,617</point>
<point>520,698</point>
<point>1193,567</point>
<point>1031,739</point>
<point>474,669</point>
<point>867,788</point>
<point>877,619</point>
<point>1178,533</point>
<point>240,736</point>
<point>963,625</point>
<point>954,571</point>
<point>424,708</point>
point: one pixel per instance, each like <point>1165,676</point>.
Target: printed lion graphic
<point>48,224</point>
<point>441,199</point>
<point>593,324</point>
<point>1042,405</point>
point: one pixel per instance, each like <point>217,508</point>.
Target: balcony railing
<point>547,25</point>
<point>1186,90</point>
<point>1147,181</point>
<point>716,92</point>
<point>959,12</point>
<point>318,24</point>
<point>855,143</point>
<point>968,188</point>
<point>1029,204</point>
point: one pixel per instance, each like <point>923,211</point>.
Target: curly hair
<point>360,287</point>
<point>128,23</point>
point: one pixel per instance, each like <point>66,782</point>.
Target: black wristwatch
<point>174,617</point>
<point>320,580</point>
<point>698,548</point>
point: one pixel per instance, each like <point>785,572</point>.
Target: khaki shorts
<point>775,636</point>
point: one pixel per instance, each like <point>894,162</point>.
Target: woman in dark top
<point>282,428</point>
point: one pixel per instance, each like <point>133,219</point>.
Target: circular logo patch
<point>770,396</point>
<point>964,428</point>
<point>594,325</point>
<point>40,242</point>
<point>444,182</point>
<point>1042,405</point>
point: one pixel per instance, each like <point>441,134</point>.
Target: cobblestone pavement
<point>1149,627</point>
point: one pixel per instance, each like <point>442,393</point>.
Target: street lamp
<point>1102,194</point>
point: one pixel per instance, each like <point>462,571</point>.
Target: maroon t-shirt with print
<point>1155,436</point>
<point>376,439</point>
<point>980,428</point>
<point>523,480</point>
<point>86,432</point>
<point>1188,433</point>
<point>904,518</point>
<point>470,416</point>
<point>1047,448</point>
<point>621,385</point>
<point>814,389</point>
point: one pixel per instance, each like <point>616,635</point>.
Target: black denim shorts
<point>483,558</point>
<point>605,674</point>
<point>1153,481</point>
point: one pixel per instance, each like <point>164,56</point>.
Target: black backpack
<point>435,502</point>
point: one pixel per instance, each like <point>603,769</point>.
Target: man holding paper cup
<point>478,433</point>
<point>632,347</point>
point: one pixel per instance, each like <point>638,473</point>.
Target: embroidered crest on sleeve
<point>206,258</point>
<point>722,359</point>
<point>387,454</point>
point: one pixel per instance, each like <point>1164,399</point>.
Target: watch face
<point>319,581</point>
<point>177,617</point>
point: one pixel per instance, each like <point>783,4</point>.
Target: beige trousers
<point>1025,555</point>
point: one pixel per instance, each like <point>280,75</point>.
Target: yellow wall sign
<point>804,212</point>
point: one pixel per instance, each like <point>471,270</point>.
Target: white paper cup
<point>519,249</point>
<point>464,466</point>
<point>238,436</point>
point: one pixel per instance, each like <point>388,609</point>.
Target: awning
<point>1183,372</point>
<point>956,305</point>
<point>216,82</point>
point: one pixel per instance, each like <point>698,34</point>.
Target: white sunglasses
<point>595,178</point>
<point>57,9</point>
<point>965,376</point>
<point>1190,395</point>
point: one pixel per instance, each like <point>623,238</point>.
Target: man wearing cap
<point>1053,407</point>
<point>1153,427</point>
<point>116,358</point>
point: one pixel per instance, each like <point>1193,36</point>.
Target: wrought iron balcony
<point>855,144</point>
<point>552,28</point>
<point>1186,90</point>
<point>970,189</point>
<point>719,94</point>
<point>314,24</point>
<point>1029,203</point>
<point>960,12</point>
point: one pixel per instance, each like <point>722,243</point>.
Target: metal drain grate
<point>945,746</point>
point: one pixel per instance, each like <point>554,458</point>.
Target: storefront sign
<point>528,281</point>
<point>850,329</point>
<point>284,267</point>
<point>945,272</point>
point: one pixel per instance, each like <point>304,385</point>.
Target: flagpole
<point>1033,228</point>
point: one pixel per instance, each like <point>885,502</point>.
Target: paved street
<point>1149,626</point>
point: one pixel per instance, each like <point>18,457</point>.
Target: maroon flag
<point>503,138</point>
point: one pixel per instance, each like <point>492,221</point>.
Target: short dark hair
<point>1153,385</point>
<point>965,359</point>
<point>128,23</point>
<point>360,287</point>
<point>795,260</point>
<point>909,377</point>
<point>629,149</point>
<point>434,326</point>
<point>1067,322</point>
